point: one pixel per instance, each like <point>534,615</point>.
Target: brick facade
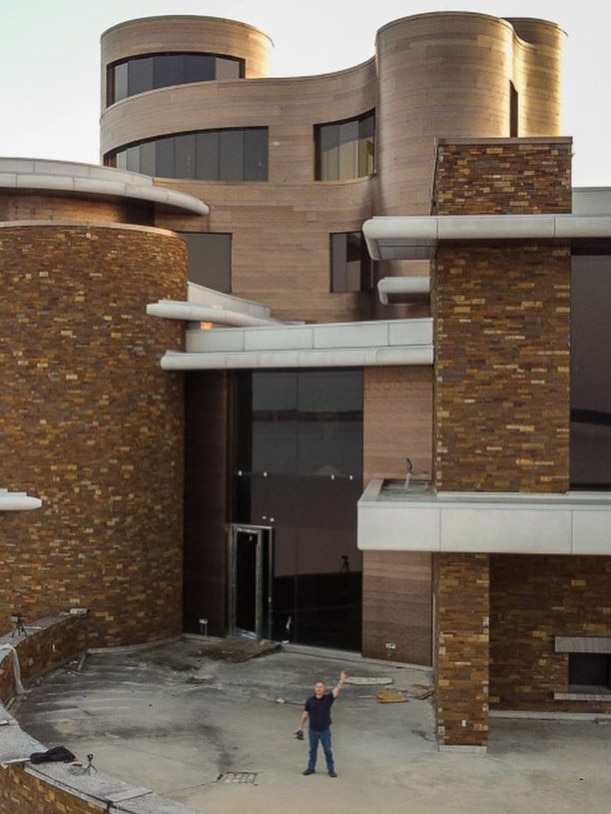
<point>462,639</point>
<point>502,379</point>
<point>50,643</point>
<point>93,427</point>
<point>502,325</point>
<point>20,791</point>
<point>533,600</point>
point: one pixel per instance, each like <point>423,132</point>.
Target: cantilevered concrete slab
<point>356,344</point>
<point>417,237</point>
<point>45,176</point>
<point>396,516</point>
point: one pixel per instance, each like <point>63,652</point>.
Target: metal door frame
<point>263,579</point>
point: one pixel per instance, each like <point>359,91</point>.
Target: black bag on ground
<point>57,753</point>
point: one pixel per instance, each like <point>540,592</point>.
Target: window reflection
<point>143,73</point>
<point>351,264</point>
<point>298,459</point>
<point>345,149</point>
<point>235,154</point>
<point>590,438</point>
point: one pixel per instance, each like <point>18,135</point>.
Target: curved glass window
<point>236,154</point>
<point>139,74</point>
<point>345,149</point>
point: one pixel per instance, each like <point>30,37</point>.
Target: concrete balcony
<point>392,517</point>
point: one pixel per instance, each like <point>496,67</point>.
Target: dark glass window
<point>590,439</point>
<point>345,149</point>
<point>589,671</point>
<point>165,150</point>
<point>513,111</point>
<point>255,154</point>
<point>351,264</point>
<point>297,466</point>
<point>234,154</point>
<point>117,81</point>
<point>231,155</point>
<point>139,74</point>
<point>209,259</point>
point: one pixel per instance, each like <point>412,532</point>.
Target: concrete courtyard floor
<point>214,731</point>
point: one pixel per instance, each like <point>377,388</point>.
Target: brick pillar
<point>501,403</point>
<point>462,642</point>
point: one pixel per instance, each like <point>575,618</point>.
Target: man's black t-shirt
<point>319,711</point>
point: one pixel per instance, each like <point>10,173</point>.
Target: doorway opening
<point>250,600</point>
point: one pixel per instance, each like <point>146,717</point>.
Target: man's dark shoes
<point>332,774</point>
<point>309,771</point>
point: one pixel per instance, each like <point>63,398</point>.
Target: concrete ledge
<point>396,237</point>
<point>371,357</point>
<point>18,501</point>
<point>45,176</point>
<point>116,795</point>
<point>400,519</point>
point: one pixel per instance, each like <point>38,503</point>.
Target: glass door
<point>250,581</point>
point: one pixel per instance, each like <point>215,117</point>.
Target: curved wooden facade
<point>432,76</point>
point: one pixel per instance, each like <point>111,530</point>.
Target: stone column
<point>462,642</point>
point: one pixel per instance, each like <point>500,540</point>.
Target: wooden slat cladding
<point>397,605</point>
<point>397,585</point>
<point>398,409</point>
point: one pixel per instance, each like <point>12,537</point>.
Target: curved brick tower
<point>90,423</point>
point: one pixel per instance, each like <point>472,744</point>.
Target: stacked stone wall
<point>93,427</point>
<point>502,324</point>
<point>462,639</point>
<point>502,379</point>
<point>533,599</point>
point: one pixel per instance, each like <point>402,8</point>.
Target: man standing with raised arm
<point>317,711</point>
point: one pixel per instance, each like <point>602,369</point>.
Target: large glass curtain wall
<point>298,469</point>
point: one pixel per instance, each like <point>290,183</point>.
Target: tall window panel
<point>139,74</point>
<point>235,154</point>
<point>297,468</point>
<point>352,268</point>
<point>345,149</point>
<point>209,259</point>
<point>590,438</point>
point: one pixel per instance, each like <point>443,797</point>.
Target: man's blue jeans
<point>325,740</point>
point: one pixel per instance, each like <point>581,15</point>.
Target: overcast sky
<point>50,58</point>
